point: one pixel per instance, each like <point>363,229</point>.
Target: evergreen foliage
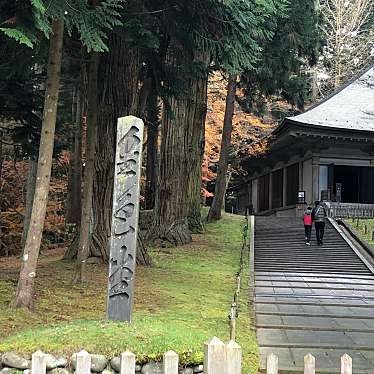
<point>283,71</point>
<point>231,31</point>
<point>179,33</point>
<point>91,23</point>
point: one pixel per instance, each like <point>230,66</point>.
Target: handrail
<point>234,309</point>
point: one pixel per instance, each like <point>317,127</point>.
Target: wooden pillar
<point>250,192</point>
<point>315,178</point>
<point>270,190</point>
<point>255,201</point>
<point>301,176</point>
<point>284,187</point>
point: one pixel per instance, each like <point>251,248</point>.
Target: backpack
<point>320,214</point>
<point>308,219</point>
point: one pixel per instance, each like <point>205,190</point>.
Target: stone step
<point>311,299</point>
<point>313,275</point>
<point>274,282</point>
<point>344,329</point>
<point>316,287</point>
<point>314,315</point>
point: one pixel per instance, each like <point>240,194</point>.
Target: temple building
<point>325,153</point>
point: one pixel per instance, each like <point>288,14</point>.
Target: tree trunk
<point>142,256</point>
<point>24,296</point>
<point>30,192</point>
<point>76,181</point>
<point>1,190</point>
<point>152,150</point>
<point>196,136</point>
<point>338,43</point>
<point>68,205</point>
<point>171,207</point>
<point>117,87</point>
<point>177,206</point>
<point>84,230</point>
<point>220,188</point>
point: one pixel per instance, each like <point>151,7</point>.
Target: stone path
<point>317,300</point>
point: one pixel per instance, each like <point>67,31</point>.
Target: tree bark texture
<point>84,229</point>
<point>171,207</point>
<point>1,192</point>
<point>76,182</point>
<point>24,295</point>
<point>196,137</point>
<point>152,150</point>
<point>30,192</point>
<point>117,87</point>
<point>75,171</point>
<point>179,184</point>
<point>215,210</point>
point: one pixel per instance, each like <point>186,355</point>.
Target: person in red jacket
<point>308,224</point>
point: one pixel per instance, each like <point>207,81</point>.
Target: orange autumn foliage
<point>248,130</point>
<point>13,183</point>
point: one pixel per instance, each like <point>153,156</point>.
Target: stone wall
<point>12,363</point>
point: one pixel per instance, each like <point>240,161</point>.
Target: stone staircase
<point>314,299</point>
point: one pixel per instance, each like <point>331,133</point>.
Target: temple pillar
<point>301,176</point>
<point>284,187</point>
<point>255,195</point>
<point>270,190</point>
<point>315,178</point>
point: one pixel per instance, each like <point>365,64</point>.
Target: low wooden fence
<point>345,210</point>
<point>309,364</point>
<point>219,358</point>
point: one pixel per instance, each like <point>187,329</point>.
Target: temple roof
<point>349,108</point>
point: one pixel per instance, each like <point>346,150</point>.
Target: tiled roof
<point>351,107</point>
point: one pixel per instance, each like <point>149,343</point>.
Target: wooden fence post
<point>234,358</point>
<point>346,364</point>
<point>272,364</point>
<point>83,363</point>
<point>38,363</point>
<point>170,363</point>
<point>127,363</point>
<point>215,357</point>
<point>309,364</point>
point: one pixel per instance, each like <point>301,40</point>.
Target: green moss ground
<point>360,230</point>
<point>181,301</point>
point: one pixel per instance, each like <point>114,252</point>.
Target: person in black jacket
<point>319,218</point>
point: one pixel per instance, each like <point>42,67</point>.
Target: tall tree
<point>73,211</point>
<point>283,71</point>
<point>348,30</point>
<point>196,138</point>
<point>118,95</point>
<point>24,296</point>
<point>90,23</point>
<point>223,163</point>
<point>153,124</point>
<point>230,34</point>
<point>118,87</point>
<point>84,230</point>
<point>181,129</point>
<point>280,70</point>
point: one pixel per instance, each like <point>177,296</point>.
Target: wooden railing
<point>346,210</point>
<point>309,364</point>
<point>234,309</point>
<point>219,358</point>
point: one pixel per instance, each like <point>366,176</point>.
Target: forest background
<point>210,79</point>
